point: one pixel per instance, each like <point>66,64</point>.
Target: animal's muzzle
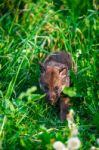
<point>51,98</point>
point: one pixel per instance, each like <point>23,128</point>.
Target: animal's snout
<point>51,97</point>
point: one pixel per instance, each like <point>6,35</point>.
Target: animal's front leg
<point>64,107</point>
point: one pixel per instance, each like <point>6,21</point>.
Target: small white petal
<point>65,148</point>
<point>93,148</point>
<point>58,145</point>
<point>73,143</point>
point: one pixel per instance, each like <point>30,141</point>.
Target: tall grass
<point>28,32</point>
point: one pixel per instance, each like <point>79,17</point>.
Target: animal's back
<point>59,57</point>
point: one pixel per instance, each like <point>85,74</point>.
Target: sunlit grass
<point>28,32</point>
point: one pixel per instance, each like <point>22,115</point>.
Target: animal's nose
<point>51,97</point>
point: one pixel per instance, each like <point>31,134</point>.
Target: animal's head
<point>52,81</point>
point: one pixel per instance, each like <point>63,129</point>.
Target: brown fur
<point>54,77</point>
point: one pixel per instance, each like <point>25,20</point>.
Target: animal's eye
<point>46,88</point>
<point>56,88</point>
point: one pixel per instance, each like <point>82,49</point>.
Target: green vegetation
<point>30,30</point>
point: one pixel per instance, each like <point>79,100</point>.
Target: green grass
<point>28,32</point>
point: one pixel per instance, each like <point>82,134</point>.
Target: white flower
<point>93,148</point>
<point>73,143</point>
<point>58,145</point>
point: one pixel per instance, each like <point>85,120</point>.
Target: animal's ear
<point>63,71</point>
<point>42,68</point>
